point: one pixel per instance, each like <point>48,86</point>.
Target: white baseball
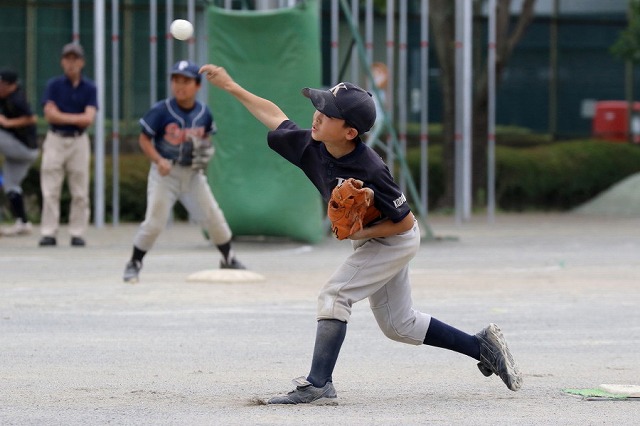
<point>181,29</point>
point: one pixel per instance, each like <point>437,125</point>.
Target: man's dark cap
<point>73,49</point>
<point>8,76</point>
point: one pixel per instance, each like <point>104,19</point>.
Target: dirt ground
<point>78,346</point>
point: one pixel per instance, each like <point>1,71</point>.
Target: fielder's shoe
<point>47,241</point>
<point>78,242</point>
<point>232,264</point>
<point>18,228</point>
<point>131,271</point>
<point>306,393</point>
<point>495,357</point>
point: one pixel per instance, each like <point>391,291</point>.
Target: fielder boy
<point>19,145</point>
<point>329,153</point>
<point>175,136</point>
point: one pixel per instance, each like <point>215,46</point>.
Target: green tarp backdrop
<point>273,54</point>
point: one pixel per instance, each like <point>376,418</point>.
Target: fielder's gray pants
<point>378,269</point>
<point>193,191</point>
<point>17,160</point>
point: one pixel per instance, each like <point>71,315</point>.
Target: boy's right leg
<point>161,197</point>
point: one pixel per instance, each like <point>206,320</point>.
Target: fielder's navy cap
<point>187,69</point>
<point>73,49</point>
<point>347,101</point>
<point>8,76</point>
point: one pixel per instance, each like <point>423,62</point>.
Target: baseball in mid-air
<point>181,29</point>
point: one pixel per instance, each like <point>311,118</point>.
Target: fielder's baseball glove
<point>350,208</point>
<point>202,152</point>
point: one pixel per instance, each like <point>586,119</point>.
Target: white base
<point>632,391</point>
<point>225,276</point>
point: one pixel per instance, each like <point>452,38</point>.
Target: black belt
<point>68,133</point>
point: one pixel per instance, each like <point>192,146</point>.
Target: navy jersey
<point>70,99</point>
<point>14,106</point>
<point>169,126</point>
<point>326,171</point>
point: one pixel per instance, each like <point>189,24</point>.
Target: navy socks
<point>444,336</point>
<point>17,206</point>
<point>138,254</point>
<point>329,337</point>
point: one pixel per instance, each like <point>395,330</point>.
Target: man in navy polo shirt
<point>70,103</point>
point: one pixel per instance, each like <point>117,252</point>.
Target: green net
<point>272,54</point>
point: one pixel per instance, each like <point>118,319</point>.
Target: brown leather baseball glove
<point>350,208</point>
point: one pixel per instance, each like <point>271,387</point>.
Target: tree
<point>627,48</point>
<point>442,16</point>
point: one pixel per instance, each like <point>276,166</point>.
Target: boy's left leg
<point>204,209</point>
<point>318,387</point>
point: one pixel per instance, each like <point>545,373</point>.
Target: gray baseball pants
<point>192,190</point>
<point>378,269</point>
<point>17,160</point>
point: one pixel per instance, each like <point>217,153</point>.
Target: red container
<point>611,121</point>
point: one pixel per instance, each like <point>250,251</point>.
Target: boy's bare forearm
<point>262,109</point>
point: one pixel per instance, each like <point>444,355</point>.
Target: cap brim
<point>186,74</point>
<point>323,101</point>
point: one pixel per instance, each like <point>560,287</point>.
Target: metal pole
<point>99,63</point>
<point>202,53</point>
<point>115,108</point>
<point>169,45</point>
<point>424,105</point>
<point>75,35</point>
<point>491,113</point>
<point>553,71</point>
<point>368,34</point>
<point>467,112</point>
<point>153,51</point>
<point>463,95</point>
<point>334,43</point>
<point>191,16</point>
<point>402,84</point>
<point>355,64</point>
<point>31,54</point>
<point>459,111</point>
<point>390,88</point>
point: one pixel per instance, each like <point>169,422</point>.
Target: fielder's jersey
<point>14,106</point>
<point>169,126</point>
<point>326,171</point>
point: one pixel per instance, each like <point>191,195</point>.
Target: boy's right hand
<point>216,75</point>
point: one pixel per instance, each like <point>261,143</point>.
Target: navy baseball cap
<point>346,101</point>
<point>187,69</point>
<point>8,76</point>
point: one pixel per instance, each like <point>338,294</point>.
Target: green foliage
<point>549,176</point>
<point>132,183</point>
<point>627,47</point>
<point>561,176</point>
<point>556,176</point>
<point>435,168</point>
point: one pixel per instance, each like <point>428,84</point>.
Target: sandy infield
<point>78,346</point>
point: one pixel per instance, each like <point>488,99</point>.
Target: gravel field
<point>80,347</point>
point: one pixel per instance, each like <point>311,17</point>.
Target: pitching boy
<point>171,133</point>
<point>328,153</point>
